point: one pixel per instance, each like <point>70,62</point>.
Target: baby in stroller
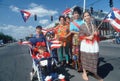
<point>42,51</point>
<point>46,67</point>
<point>40,57</point>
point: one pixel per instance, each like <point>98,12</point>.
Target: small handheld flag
<point>25,15</point>
<point>67,11</point>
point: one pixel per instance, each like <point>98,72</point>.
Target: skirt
<point>89,56</point>
<point>75,45</point>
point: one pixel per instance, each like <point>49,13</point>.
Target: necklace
<point>89,28</point>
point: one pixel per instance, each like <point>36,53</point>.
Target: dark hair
<point>86,12</point>
<point>42,48</point>
<point>39,27</point>
<point>78,10</point>
<point>62,17</point>
<point>67,17</point>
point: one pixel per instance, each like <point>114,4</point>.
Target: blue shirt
<point>73,27</point>
<point>41,38</point>
<point>34,39</point>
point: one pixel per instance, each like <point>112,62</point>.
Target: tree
<point>6,38</point>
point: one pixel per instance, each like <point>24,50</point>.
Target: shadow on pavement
<point>104,69</point>
<point>65,72</point>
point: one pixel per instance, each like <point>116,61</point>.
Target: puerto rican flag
<point>55,44</point>
<point>113,18</point>
<point>25,15</point>
<point>47,30</point>
<point>67,11</point>
<point>44,31</point>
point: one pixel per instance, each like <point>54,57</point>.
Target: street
<point>16,63</point>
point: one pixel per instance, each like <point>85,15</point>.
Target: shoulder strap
<point>78,26</point>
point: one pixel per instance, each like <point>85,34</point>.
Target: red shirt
<point>39,56</point>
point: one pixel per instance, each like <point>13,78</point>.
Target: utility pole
<point>84,4</point>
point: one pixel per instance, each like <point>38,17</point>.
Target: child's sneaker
<point>31,76</point>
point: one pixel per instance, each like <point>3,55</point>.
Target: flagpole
<point>102,21</point>
<point>100,24</point>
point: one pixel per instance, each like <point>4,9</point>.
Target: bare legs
<point>85,77</point>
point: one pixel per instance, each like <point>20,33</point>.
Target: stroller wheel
<point>56,80</point>
<point>58,65</point>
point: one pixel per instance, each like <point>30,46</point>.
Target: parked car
<point>1,43</point>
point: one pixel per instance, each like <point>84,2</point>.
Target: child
<point>42,52</point>
<point>38,37</point>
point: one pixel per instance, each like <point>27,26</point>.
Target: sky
<point>11,21</point>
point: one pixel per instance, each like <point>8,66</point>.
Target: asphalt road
<point>15,64</point>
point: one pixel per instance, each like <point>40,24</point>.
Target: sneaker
<point>31,76</point>
<point>67,62</point>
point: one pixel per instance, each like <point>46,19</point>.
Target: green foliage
<point>5,38</point>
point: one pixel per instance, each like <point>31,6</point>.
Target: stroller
<point>45,69</point>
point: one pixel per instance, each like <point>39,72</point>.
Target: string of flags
<point>26,14</point>
<point>113,17</point>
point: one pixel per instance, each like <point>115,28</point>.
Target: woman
<point>61,31</point>
<point>74,31</point>
<point>89,46</point>
<point>69,38</point>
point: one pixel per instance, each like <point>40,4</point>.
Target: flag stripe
<point>55,46</point>
<point>55,42</point>
<point>117,15</point>
<point>67,11</point>
<point>115,24</point>
<point>115,27</point>
<point>117,21</point>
